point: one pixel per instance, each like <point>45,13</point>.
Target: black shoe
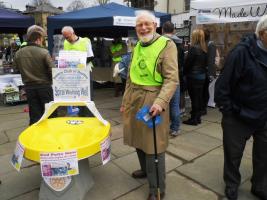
<point>260,194</point>
<point>231,193</point>
<point>203,112</point>
<point>191,122</point>
<point>139,174</point>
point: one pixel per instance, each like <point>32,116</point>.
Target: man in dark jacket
<point>211,70</point>
<point>35,65</point>
<point>168,31</point>
<point>241,94</point>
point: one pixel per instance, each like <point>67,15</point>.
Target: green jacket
<point>35,65</point>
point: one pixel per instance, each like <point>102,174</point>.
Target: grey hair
<point>67,29</point>
<point>145,13</point>
<point>261,25</point>
<point>34,29</point>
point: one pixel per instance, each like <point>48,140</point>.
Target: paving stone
<point>14,124</point>
<point>208,170</point>
<point>212,130</point>
<point>116,132</point>
<point>6,166</point>
<point>96,160</point>
<point>14,184</point>
<point>119,119</point>
<point>33,195</point>
<point>109,113</point>
<point>7,109</point>
<point>110,183</point>
<point>130,163</point>
<point>13,116</point>
<point>7,148</point>
<point>111,104</point>
<point>191,145</point>
<point>213,115</point>
<point>177,188</point>
<point>119,149</point>
<point>3,137</point>
<point>192,128</point>
<point>14,133</point>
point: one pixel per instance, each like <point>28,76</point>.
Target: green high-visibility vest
<point>143,69</point>
<point>23,44</point>
<point>80,45</point>
<point>115,48</point>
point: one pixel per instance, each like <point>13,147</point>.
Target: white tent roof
<point>227,11</point>
<point>203,4</point>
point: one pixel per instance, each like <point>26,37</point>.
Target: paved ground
<point>194,160</point>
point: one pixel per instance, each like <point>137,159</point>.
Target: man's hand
<point>122,109</point>
<point>155,110</point>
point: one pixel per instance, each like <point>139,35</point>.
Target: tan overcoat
<point>136,133</point>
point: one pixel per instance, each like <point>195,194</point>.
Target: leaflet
<point>59,164</point>
<point>105,150</point>
<point>17,157</point>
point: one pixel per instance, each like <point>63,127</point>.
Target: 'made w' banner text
<point>230,13</point>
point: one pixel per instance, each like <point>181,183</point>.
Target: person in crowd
<point>35,65</point>
<point>121,69</point>
<point>8,53</point>
<point>73,42</point>
<point>210,72</point>
<point>117,49</point>
<point>241,95</point>
<point>152,81</point>
<point>168,31</point>
<point>195,72</point>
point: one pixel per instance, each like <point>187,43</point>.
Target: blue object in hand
<point>144,116</point>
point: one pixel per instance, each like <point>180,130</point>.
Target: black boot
<point>191,121</point>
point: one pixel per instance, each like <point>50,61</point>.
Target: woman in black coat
<point>195,71</point>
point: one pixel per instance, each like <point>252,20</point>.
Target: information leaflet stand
<point>62,145</point>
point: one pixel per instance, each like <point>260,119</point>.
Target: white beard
<point>146,38</point>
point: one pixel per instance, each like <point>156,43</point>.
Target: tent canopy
<point>202,4</point>
<point>13,22</point>
<point>96,21</point>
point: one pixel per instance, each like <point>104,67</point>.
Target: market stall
<point>11,87</point>
<point>228,21</point>
<point>109,21</point>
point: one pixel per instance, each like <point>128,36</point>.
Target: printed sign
<point>72,59</point>
<point>231,14</point>
<point>71,84</point>
<point>17,157</point>
<point>59,164</point>
<point>128,21</point>
<point>105,150</point>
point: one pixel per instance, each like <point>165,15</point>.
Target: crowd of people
<point>157,73</point>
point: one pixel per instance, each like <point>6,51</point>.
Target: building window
<point>186,5</point>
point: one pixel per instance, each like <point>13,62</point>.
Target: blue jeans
<point>175,110</point>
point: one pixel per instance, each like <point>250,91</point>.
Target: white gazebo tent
<point>228,20</point>
<point>225,11</point>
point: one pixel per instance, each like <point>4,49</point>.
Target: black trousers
<point>235,135</point>
<point>37,98</point>
<point>195,90</point>
<point>147,163</point>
